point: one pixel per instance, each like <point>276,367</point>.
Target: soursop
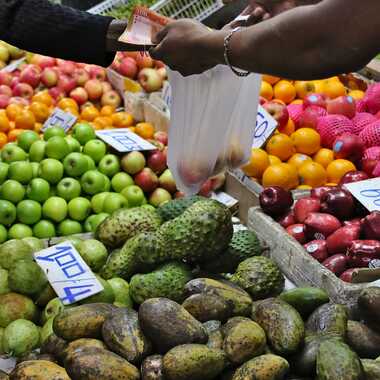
<point>260,277</point>
<point>176,207</point>
<point>244,244</point>
<point>12,251</point>
<point>167,281</point>
<point>124,224</point>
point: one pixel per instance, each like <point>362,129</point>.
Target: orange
<point>4,124</point>
<point>279,175</point>
<point>319,86</point>
<point>306,140</point>
<point>312,174</point>
<point>297,101</point>
<point>13,134</point>
<point>324,157</point>
<point>304,187</point>
<point>331,184</point>
<point>13,110</point>
<point>257,164</point>
<point>334,89</point>
<point>40,110</point>
<point>293,178</point>
<point>285,91</point>
<point>103,121</point>
<point>67,103</point>
<point>145,130</point>
<point>266,90</point>
<point>25,120</point>
<point>298,159</point>
<point>107,110</point>
<point>289,127</point>
<point>122,119</point>
<point>357,94</point>
<point>38,127</point>
<point>3,139</point>
<point>273,160</point>
<point>43,97</point>
<point>89,113</point>
<point>304,88</point>
<point>338,168</point>
<point>132,129</point>
<point>281,146</point>
<point>270,79</point>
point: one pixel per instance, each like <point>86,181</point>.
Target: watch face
<point>374,264</point>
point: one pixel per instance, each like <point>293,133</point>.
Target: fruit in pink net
<point>354,176</point>
<point>298,232</point>
<point>338,202</point>
<point>370,135</point>
<point>372,98</point>
<point>295,112</point>
<point>320,225</point>
<point>304,206</point>
<point>344,105</point>
<point>80,95</point>
<point>342,238</point>
<point>370,159</point>
<point>315,100</point>
<point>332,126</point>
<point>128,67</point>
<point>348,146</point>
<point>275,200</point>
<point>278,111</point>
<point>361,106</point>
<point>362,120</point>
<point>336,263</point>
<point>317,249</point>
<point>287,220</point>
<point>309,117</point>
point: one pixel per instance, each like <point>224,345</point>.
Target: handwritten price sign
<point>59,118</point>
<point>67,273</point>
<point>366,192</point>
<point>265,127</point>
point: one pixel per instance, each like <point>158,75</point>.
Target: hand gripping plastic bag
<point>213,117</point>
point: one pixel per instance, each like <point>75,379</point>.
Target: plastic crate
<point>106,6</point>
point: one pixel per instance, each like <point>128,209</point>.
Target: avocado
<point>369,306</point>
<point>364,341</point>
<point>16,306</point>
<point>176,207</point>
<point>151,368</point>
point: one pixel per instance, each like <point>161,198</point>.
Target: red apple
<point>317,249</point>
<point>167,182</point>
<point>320,225</point>
<point>338,202</point>
<point>128,67</point>
<point>298,232</point>
<point>344,105</point>
<point>66,67</point>
<point>23,90</point>
<point>161,137</point>
<point>31,75</point>
<point>368,166</point>
<point>206,189</point>
<point>279,112</point>
<point>309,117</point>
<point>314,100</point>
<point>163,73</point>
<point>5,78</point>
<point>336,263</point>
<point>157,161</point>
<point>106,86</point>
<point>94,89</point>
<point>49,77</point>
<point>287,219</point>
<point>97,72</point>
<point>19,100</point>
<point>132,54</point>
<point>80,95</point>
<point>192,174</point>
<point>353,176</point>
<point>56,92</point>
<point>275,200</point>
<point>304,206</point>
<point>318,192</point>
<point>144,61</point>
<point>66,83</point>
<point>81,76</point>
<point>111,98</point>
<point>147,180</point>
<point>348,146</point>
<point>44,61</point>
<point>150,80</point>
<point>4,101</point>
<point>15,81</point>
<point>5,90</point>
<point>179,194</point>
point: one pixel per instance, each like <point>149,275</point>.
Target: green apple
<point>38,190</point>
<point>107,183</point>
<point>97,201</point>
<point>109,165</point>
<point>3,233</point>
<point>53,131</point>
<point>134,195</point>
<point>74,240</point>
<point>159,196</point>
<point>26,139</point>
<point>113,202</point>
<point>55,209</point>
<point>19,231</point>
<point>79,208</point>
<point>75,164</point>
<point>94,253</point>
<point>12,191</point>
<point>83,132</point>
<point>12,152</point>
<point>91,163</point>
<point>120,181</point>
<point>37,151</point>
<point>7,212</point>
<point>96,149</point>
<point>35,168</point>
<point>44,229</point>
<point>88,223</point>
<point>57,147</point>
<point>28,211</point>
<point>92,182</point>
<point>3,172</point>
<point>69,227</point>
<point>73,144</point>
<point>120,288</point>
<point>98,219</point>
<point>51,170</point>
<point>68,188</point>
<point>20,171</point>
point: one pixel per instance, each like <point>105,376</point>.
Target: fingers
<point>155,52</point>
<point>156,39</point>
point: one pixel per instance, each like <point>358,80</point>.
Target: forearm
<point>40,27</point>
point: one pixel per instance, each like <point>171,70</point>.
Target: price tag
<point>68,274</point>
<point>366,192</point>
<point>225,198</point>
<point>265,127</point>
<point>59,118</point>
<point>124,140</point>
<point>14,65</point>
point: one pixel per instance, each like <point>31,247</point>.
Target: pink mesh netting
<point>361,106</point>
<point>295,111</point>
<point>371,134</point>
<point>362,120</point>
<point>332,126</point>
<point>372,98</point>
<point>309,117</point>
<point>372,153</point>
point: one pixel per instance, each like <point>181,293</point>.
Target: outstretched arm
<point>333,36</point>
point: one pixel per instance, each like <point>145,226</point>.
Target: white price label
<point>68,274</point>
<point>124,140</point>
<point>265,126</point>
<point>366,192</point>
<point>225,198</point>
<point>14,65</point>
<point>59,118</point>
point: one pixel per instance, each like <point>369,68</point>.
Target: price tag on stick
<point>265,127</point>
<point>124,140</point>
<point>59,118</point>
<point>366,192</point>
<point>13,65</point>
<point>68,274</point>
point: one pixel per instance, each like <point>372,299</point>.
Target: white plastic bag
<point>213,117</point>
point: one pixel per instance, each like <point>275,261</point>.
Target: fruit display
<point>9,53</point>
<point>331,224</point>
<point>321,136</point>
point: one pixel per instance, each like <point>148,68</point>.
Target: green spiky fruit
<point>176,207</point>
<point>260,277</point>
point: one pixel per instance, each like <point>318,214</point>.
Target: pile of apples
<point>140,66</point>
<point>331,224</point>
<point>86,84</point>
<point>9,53</point>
